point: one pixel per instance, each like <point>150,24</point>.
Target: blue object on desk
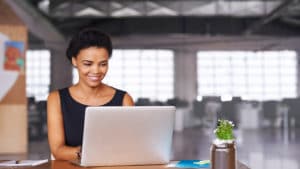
<point>193,164</point>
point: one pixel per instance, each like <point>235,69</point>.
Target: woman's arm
<point>56,135</point>
<point>127,100</point>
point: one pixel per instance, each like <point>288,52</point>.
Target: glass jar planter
<point>223,154</point>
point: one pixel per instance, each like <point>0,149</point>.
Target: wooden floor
<point>259,149</point>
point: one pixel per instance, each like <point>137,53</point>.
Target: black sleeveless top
<point>74,112</point>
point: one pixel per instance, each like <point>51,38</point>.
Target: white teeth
<point>93,78</point>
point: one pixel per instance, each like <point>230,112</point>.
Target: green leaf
<point>224,130</point>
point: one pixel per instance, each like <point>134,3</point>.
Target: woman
<point>89,52</point>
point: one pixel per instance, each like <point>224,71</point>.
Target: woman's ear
<point>74,62</point>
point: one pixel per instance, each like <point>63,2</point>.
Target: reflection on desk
<point>56,164</point>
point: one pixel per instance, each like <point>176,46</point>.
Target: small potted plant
<point>223,149</point>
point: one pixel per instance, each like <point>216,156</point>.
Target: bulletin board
<point>13,102</point>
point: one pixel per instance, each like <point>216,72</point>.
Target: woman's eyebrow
<point>86,61</point>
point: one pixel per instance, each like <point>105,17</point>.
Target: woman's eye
<point>87,64</point>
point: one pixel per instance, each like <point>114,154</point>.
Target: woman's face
<point>92,65</point>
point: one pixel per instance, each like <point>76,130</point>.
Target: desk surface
<point>55,164</point>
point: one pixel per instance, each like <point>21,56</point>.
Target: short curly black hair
<point>89,37</point>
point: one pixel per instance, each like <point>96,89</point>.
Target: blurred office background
<point>232,59</point>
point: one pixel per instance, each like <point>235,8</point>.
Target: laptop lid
<point>127,135</point>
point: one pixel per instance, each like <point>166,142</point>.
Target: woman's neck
<point>85,90</point>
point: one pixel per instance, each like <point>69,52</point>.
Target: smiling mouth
<point>94,78</point>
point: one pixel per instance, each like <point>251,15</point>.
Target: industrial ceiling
<point>121,18</point>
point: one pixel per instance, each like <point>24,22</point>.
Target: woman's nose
<point>95,69</point>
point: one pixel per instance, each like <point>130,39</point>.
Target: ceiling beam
<point>210,26</point>
<point>38,25</point>
<point>275,13</point>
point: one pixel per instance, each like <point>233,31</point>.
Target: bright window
<point>142,73</point>
<point>264,75</point>
<point>37,73</point>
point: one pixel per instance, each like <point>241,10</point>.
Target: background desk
<point>55,164</point>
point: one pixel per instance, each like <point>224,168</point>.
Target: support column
<point>61,70</point>
<point>185,86</point>
<point>298,72</point>
<point>186,74</point>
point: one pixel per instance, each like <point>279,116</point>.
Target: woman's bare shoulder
<point>127,100</point>
<point>53,95</point>
<point>53,102</point>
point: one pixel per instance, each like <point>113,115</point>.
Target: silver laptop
<point>127,135</point>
